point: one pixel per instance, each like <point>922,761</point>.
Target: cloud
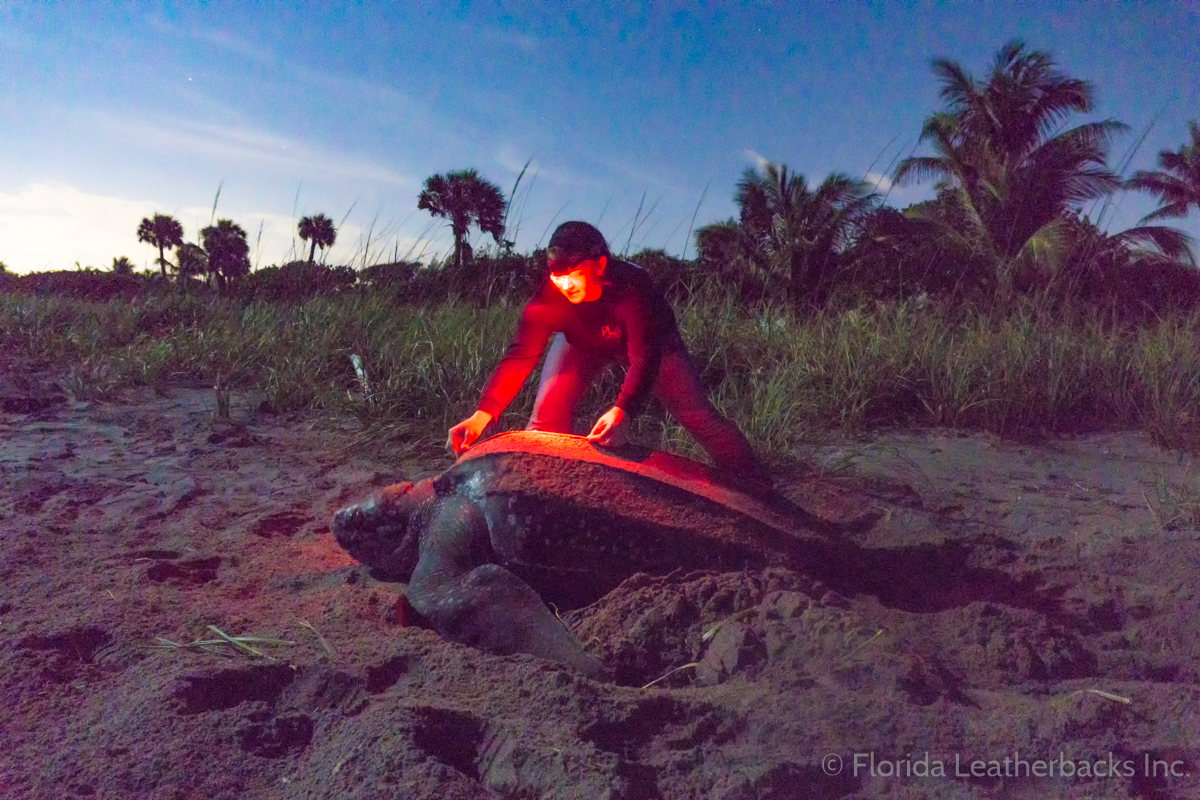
<point>897,195</point>
<point>510,156</point>
<point>274,239</point>
<point>53,226</point>
<point>247,146</point>
<point>521,41</point>
<point>881,182</point>
<point>386,104</point>
<point>507,158</point>
<point>216,38</point>
<point>757,159</point>
<point>237,45</point>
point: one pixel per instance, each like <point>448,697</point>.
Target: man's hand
<point>464,434</point>
<point>610,430</point>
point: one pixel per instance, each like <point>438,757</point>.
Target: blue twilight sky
<point>110,112</point>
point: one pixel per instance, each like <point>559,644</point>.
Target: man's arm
<point>522,356</point>
<point>645,354</point>
<point>532,334</point>
<point>644,349</point>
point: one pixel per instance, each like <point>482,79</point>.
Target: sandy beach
<point>1030,631</point>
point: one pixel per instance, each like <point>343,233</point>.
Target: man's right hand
<point>464,434</point>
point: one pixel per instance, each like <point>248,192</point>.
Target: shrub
<point>88,284</point>
<point>295,282</point>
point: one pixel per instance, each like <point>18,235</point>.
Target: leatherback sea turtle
<point>527,517</point>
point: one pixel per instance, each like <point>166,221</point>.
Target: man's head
<point>379,531</point>
<point>578,256</point>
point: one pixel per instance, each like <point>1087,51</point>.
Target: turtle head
<point>382,531</point>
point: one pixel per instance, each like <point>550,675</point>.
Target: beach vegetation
<point>783,374</point>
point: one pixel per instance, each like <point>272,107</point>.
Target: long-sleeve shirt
<point>631,322</point>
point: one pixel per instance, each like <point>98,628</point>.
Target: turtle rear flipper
<point>472,600</point>
<point>494,610</point>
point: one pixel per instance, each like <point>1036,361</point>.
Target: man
<point>604,309</point>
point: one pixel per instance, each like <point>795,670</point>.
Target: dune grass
<point>779,374</point>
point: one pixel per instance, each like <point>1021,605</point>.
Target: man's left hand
<point>610,430</point>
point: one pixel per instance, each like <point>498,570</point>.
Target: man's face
<point>584,282</point>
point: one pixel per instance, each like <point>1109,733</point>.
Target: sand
<point>1019,611</point>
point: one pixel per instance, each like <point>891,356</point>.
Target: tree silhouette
<point>320,230</point>
<point>161,231</point>
<point>1006,174</point>
<point>228,252</point>
<point>727,253</point>
<point>465,199</point>
<point>193,261</point>
<point>802,232</point>
<point>1177,181</point>
<point>788,234</point>
<point>122,266</point>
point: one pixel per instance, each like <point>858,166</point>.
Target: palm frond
<point>1168,211</point>
<point>958,87</point>
<point>918,169</point>
<point>1168,188</point>
<point>1048,246</point>
<point>1171,242</point>
<point>1095,136</point>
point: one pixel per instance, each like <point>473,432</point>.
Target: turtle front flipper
<point>472,600</point>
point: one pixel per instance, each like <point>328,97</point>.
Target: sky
<point>639,118</point>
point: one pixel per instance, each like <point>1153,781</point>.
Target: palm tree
<point>122,266</point>
<point>727,253</point>
<point>465,199</point>
<point>228,252</point>
<point>161,231</point>
<point>1177,181</point>
<point>795,234</point>
<point>1002,163</point>
<point>320,230</point>
<point>193,261</point>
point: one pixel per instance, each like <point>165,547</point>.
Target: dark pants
<point>568,372</point>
